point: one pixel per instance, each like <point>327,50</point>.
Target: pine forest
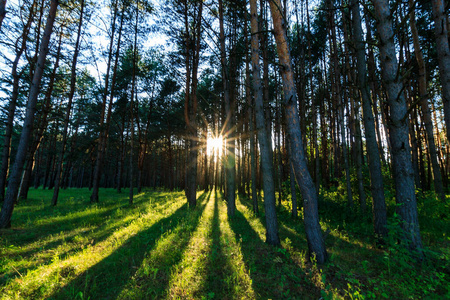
<point>225,149</point>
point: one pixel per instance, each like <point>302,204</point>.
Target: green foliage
<point>158,248</point>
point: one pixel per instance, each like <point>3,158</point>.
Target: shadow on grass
<point>107,278</point>
<point>294,230</point>
<point>100,232</point>
<point>57,232</point>
<point>68,217</point>
<point>291,228</point>
<point>274,275</point>
<point>151,281</point>
<point>219,269</point>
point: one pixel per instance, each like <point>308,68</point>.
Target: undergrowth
<point>157,248</point>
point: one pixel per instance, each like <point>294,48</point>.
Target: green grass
<point>158,249</point>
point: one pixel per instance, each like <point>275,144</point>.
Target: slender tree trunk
<point>17,168</point>
<point>443,50</point>
<point>398,131</point>
<point>340,108</point>
<point>230,164</point>
<point>133,95</point>
<point>294,213</point>
<point>374,87</point>
<point>272,237</point>
<point>265,76</point>
<point>376,177</point>
<point>192,59</point>
<point>121,158</point>
<point>25,181</point>
<point>42,123</point>
<point>37,173</point>
<point>13,102</point>
<point>423,94</point>
<point>358,160</point>
<point>2,11</point>
<point>414,148</point>
<point>440,147</point>
<point>104,124</point>
<point>205,160</point>
<point>73,78</point>
<point>315,145</point>
<point>314,237</point>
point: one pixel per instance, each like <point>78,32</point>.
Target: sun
<point>214,144</point>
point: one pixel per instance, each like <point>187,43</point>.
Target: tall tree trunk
<point>340,106</point>
<point>2,11</point>
<point>265,76</point>
<point>315,145</point>
<point>294,212</point>
<point>13,102</point>
<point>440,147</point>
<point>443,51</point>
<point>41,127</point>
<point>423,94</point>
<point>73,79</point>
<point>143,144</point>
<point>314,237</point>
<point>398,131</point>
<point>376,177</point>
<point>251,118</point>
<point>133,95</point>
<point>190,108</point>
<point>205,160</point>
<point>17,168</point>
<point>104,124</point>
<point>374,87</point>
<point>230,165</point>
<point>272,237</point>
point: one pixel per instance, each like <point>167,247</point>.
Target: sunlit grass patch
<point>188,277</point>
<point>151,278</point>
<point>158,248</point>
<point>273,272</point>
<point>228,276</point>
<point>53,268</point>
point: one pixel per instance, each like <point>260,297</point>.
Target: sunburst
<point>213,144</point>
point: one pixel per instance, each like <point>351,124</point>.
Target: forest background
<point>336,113</point>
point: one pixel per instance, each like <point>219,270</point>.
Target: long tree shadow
<point>292,229</point>
<point>108,277</point>
<point>151,281</point>
<point>96,235</point>
<point>65,216</point>
<point>269,264</point>
<point>218,267</point>
<point>342,246</point>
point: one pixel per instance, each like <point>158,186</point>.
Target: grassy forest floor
<point>158,248</point>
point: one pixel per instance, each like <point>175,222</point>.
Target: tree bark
<point>272,237</point>
<point>376,177</point>
<point>104,124</point>
<point>294,212</point>
<point>443,51</point>
<point>17,168</point>
<point>73,79</point>
<point>398,131</point>
<point>423,94</point>
<point>230,164</point>
<point>133,95</point>
<point>314,237</point>
<point>13,102</point>
<point>190,108</point>
<point>2,11</point>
